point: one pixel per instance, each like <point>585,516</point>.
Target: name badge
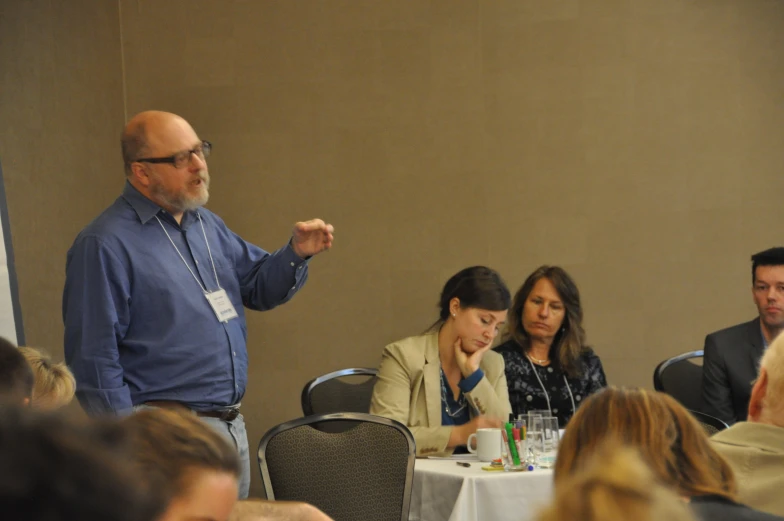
<point>221,305</point>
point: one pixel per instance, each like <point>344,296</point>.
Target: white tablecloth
<point>445,491</point>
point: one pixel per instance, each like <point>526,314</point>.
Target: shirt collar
<point>146,209</point>
<point>143,206</point>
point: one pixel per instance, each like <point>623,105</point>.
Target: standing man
<point>732,355</point>
<point>156,287</point>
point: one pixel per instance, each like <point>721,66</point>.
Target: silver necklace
<point>460,401</point>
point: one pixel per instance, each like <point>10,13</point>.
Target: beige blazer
<point>408,390</point>
<point>755,451</point>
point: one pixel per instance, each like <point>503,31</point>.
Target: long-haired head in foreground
<point>54,384</point>
<point>670,441</point>
<point>168,446</point>
<point>58,469</point>
<point>615,485</point>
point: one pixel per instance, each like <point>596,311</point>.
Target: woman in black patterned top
<point>547,364</point>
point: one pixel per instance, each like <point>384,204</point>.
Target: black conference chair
<point>681,378</point>
<point>365,472</point>
<point>347,390</point>
<point>711,424</point>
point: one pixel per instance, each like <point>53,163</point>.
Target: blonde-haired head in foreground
<point>615,485</point>
<point>53,385</point>
<point>670,441</point>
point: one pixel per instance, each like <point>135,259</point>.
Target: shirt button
<point>555,411</point>
<point>299,267</point>
<point>554,388</point>
<point>294,287</point>
<point>578,397</point>
<point>235,353</point>
<point>549,369</point>
<point>197,263</point>
<point>292,264</point>
<point>529,398</point>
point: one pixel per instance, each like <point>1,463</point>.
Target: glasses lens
<point>206,148</point>
<point>182,159</point>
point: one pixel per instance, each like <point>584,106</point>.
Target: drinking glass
<point>550,439</point>
<point>534,438</point>
<point>508,459</point>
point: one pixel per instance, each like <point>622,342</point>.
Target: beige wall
<point>639,144</point>
<point>61,111</point>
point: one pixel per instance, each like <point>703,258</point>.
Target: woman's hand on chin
<point>468,362</point>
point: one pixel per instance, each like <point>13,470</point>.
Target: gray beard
<point>181,203</point>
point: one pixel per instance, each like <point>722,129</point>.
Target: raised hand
<point>311,237</point>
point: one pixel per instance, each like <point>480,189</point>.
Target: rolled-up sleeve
<point>267,279</point>
<point>96,315</point>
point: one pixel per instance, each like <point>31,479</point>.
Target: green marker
<point>512,446</point>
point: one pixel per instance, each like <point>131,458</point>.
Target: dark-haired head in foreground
<point>16,375</point>
<point>55,469</point>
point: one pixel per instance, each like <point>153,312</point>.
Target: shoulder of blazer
<point>413,349</point>
<point>747,330</point>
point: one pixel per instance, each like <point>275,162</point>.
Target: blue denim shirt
<point>138,326</point>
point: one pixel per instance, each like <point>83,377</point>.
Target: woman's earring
<point>453,315</point>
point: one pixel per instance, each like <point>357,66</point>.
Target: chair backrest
<point>347,390</point>
<point>365,472</point>
<point>681,378</point>
<point>711,424</point>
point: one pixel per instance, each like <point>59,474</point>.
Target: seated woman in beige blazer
<point>446,383</point>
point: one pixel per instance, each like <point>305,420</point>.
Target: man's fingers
<point>314,225</point>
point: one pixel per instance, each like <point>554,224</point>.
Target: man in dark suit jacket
<point>732,355</point>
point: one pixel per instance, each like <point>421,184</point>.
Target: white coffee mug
<point>488,444</point>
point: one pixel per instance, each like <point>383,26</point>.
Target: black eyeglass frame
<point>203,150</point>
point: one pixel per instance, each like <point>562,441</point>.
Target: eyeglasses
<point>181,159</point>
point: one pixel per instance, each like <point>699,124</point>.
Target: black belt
<point>227,415</point>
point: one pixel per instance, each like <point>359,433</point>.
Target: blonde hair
<point>773,363</point>
<point>615,486</point>
<point>53,384</point>
<point>669,439</point>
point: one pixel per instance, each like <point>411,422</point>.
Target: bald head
<point>144,131</point>
<point>767,396</point>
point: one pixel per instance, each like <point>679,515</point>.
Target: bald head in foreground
<point>755,448</point>
<point>157,285</point>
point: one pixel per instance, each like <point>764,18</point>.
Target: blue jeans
<point>235,432</point>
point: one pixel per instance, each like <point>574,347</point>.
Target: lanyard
<point>547,396</point>
<point>209,252</point>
